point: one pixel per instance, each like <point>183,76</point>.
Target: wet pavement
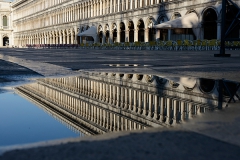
<point>214,135</point>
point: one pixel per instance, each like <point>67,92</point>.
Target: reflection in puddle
<point>95,103</point>
<point>22,122</point>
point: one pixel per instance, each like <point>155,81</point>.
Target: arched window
<point>5,22</point>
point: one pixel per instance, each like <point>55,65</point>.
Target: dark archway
<point>107,36</point>
<point>163,32</point>
<point>140,31</point>
<point>151,30</point>
<point>210,24</point>
<point>231,13</point>
<point>100,37</point>
<point>131,31</point>
<point>152,34</point>
<point>122,32</point>
<point>5,41</point>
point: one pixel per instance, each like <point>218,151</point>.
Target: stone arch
<point>151,31</point>
<point>114,32</point>
<point>107,33</point>
<point>141,28</point>
<point>162,34</point>
<point>5,40</point>
<point>62,36</point>
<point>209,23</point>
<point>100,33</point>
<point>194,32</point>
<point>175,15</point>
<point>131,30</point>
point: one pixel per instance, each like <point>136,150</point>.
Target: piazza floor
<point>201,64</point>
<point>214,135</point>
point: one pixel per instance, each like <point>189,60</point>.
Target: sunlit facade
<point>61,21</point>
<point>6,30</point>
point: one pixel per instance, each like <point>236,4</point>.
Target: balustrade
<point>142,104</point>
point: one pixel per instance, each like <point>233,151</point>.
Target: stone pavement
<point>213,135</point>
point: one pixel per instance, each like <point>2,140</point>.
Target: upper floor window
<point>5,21</point>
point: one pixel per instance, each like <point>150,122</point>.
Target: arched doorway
<point>107,33</point>
<point>151,31</point>
<point>210,24</point>
<point>163,33</point>
<point>100,37</point>
<point>140,31</point>
<point>122,32</point>
<point>5,41</point>
<point>131,31</point>
<point>100,34</point>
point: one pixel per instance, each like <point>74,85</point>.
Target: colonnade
<point>102,117</point>
<point>60,22</point>
<point>162,109</point>
<point>107,106</point>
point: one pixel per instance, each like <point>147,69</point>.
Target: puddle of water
<point>23,122</point>
<point>99,102</point>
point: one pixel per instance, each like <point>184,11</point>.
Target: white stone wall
<point>6,31</point>
<point>59,21</point>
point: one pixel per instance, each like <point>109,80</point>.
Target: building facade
<point>6,30</point>
<point>61,21</point>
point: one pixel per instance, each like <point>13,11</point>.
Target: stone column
<point>146,37</point>
<point>155,107</point>
<point>110,94</point>
<point>189,110</point>
<point>174,112</point>
<point>126,4</point>
<point>122,97</point>
<point>130,99</point>
<point>114,95</point>
<point>126,98</point>
<point>140,102</point>
<point>110,6</point>
<point>118,35</point>
<point>118,8</point>
<point>182,111</point>
<point>118,96</point>
<point>127,35</point>
<point>101,7</point>
<point>101,91</point>
<point>168,110</point>
<point>107,93</point>
<point>150,106</point>
<point>111,37</point>
<point>134,100</point>
<point>144,103</point>
<point>136,35</point>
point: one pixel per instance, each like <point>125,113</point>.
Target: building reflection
<point>95,103</point>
